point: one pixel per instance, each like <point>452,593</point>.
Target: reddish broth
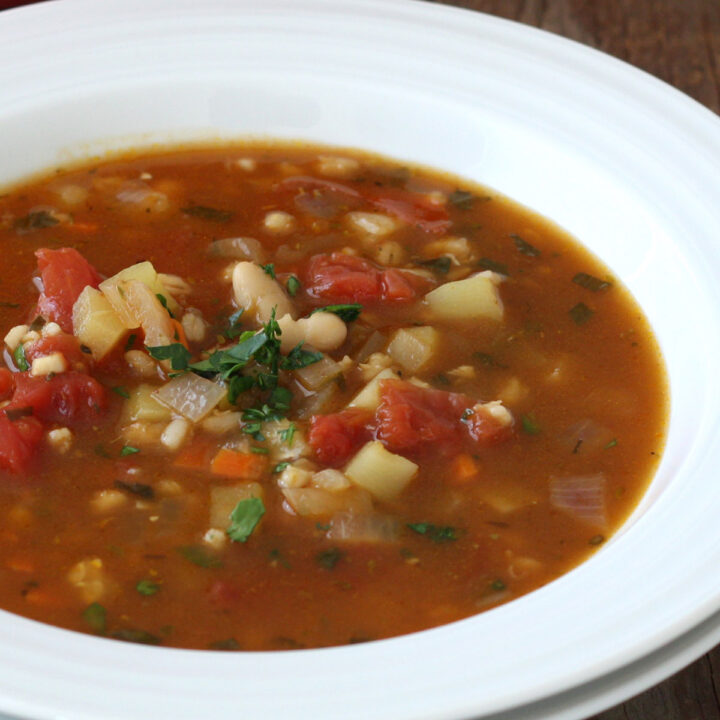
<point>104,520</point>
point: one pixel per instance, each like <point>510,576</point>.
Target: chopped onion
<point>314,501</point>
<point>315,376</point>
<point>239,248</point>
<point>582,496</point>
<point>190,395</point>
<point>348,527</point>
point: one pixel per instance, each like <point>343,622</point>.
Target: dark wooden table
<point>678,41</point>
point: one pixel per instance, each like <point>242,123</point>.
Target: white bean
<point>323,331</point>
<point>258,293</point>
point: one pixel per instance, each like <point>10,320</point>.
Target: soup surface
<point>273,397</point>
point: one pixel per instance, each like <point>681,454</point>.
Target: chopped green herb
<point>581,313</point>
<point>12,305</point>
<point>298,358</point>
<point>244,518</point>
<point>101,451</point>
<point>121,391</point>
<point>498,585</point>
<point>346,312</point>
<point>440,379</point>
<point>329,558</point>
<point>164,303</point>
<point>85,349</point>
<point>207,213</point>
<point>147,587</point>
<point>524,247</point>
<point>234,328</point>
<point>488,360</point>
<point>530,424</point>
<point>436,533</point>
<point>130,341</point>
<point>277,557</point>
<point>21,362</point>
<point>95,616</point>
<point>136,636</point>
<point>597,540</point>
<point>259,450</point>
<point>128,450</point>
<point>611,444</point>
<point>498,267</point>
<point>200,556</point>
<point>288,434</point>
<point>14,414</point>
<point>135,488</point>
<point>280,467</point>
<point>293,286</point>
<point>176,353</point>
<point>323,526</point>
<point>439,265</point>
<point>269,269</point>
<point>36,220</point>
<point>590,282</point>
<point>227,644</point>
<point>461,199</point>
<point>38,323</point>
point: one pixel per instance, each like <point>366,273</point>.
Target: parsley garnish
<point>21,362</point>
<point>164,303</point>
<point>498,267</point>
<point>269,269</point>
<point>436,533</point>
<point>121,391</point>
<point>440,264</point>
<point>346,312</point>
<point>95,616</point>
<point>176,353</point>
<point>36,220</point>
<point>139,489</point>
<point>199,556</point>
<point>524,247</point>
<point>147,587</point>
<point>208,213</point>
<point>6,304</point>
<point>461,199</point>
<point>130,342</point>
<point>530,425</point>
<point>129,450</point>
<point>288,434</point>
<point>136,636</point>
<point>589,282</point>
<point>329,558</point>
<point>293,286</point>
<point>244,518</point>
<point>581,313</point>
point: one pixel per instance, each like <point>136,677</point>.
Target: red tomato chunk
<point>18,440</point>
<point>67,345</point>
<point>336,437</point>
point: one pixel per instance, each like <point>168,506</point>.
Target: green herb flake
<point>21,362</point>
<point>589,282</point>
<point>530,424</point>
<point>244,519</point>
<point>147,587</point>
<point>611,444</point>
<point>293,286</point>
<point>581,313</point>
<point>498,267</point>
<point>269,269</point>
<point>176,353</point>
<point>208,213</point>
<point>121,391</point>
<point>461,199</point>
<point>227,644</point>
<point>524,247</point>
<point>130,341</point>
<point>259,450</point>
<point>288,434</point>
<point>36,220</point>
<point>101,451</point>
<point>329,558</point>
<point>436,533</point>
<point>200,556</point>
<point>280,467</point>
<point>347,312</point>
<point>136,636</point>
<point>95,616</point>
<point>128,450</point>
<point>440,379</point>
<point>136,488</point>
<point>498,585</point>
<point>488,360</point>
<point>440,265</point>
<point>164,303</point>
<point>596,540</point>
<point>9,305</point>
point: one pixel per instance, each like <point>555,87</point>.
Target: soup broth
<point>276,397</point>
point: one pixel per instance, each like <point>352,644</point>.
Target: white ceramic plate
<point>622,161</point>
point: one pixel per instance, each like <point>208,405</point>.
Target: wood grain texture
<point>677,41</point>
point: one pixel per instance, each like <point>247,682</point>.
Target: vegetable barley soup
<point>274,397</point>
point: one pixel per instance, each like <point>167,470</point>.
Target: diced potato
<point>284,442</point>
<point>384,474</point>
<point>507,497</point>
<point>143,407</point>
<point>224,499</point>
<point>415,348</point>
<point>90,579</point>
<point>96,324</point>
<point>317,502</point>
<point>330,479</point>
<point>473,298</point>
<point>142,302</point>
<point>143,434</point>
<point>369,396</point>
<point>143,272</point>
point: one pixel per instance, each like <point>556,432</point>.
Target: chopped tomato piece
<point>348,278</point>
<point>18,440</point>
<point>68,345</point>
<point>486,428</point>
<point>413,208</point>
<point>336,437</point>
<point>64,273</point>
<point>7,384</point>
<point>71,398</point>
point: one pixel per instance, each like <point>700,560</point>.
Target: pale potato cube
<point>223,500</point>
<point>143,407</point>
<point>415,348</point>
<point>473,298</point>
<point>369,396</point>
<point>384,474</point>
<point>310,501</point>
<point>95,323</point>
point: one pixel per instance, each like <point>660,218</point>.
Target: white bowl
<point>625,163</point>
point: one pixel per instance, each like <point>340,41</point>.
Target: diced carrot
<point>196,455</point>
<point>19,563</point>
<point>180,333</point>
<point>464,469</point>
<point>241,465</point>
<point>42,597</point>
